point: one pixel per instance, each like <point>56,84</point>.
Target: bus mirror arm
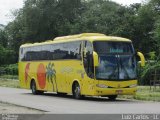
<point>141,58</point>
<point>95,59</point>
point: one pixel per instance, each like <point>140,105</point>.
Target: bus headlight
<point>134,85</point>
<point>102,86</point>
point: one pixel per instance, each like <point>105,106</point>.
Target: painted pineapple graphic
<point>51,73</point>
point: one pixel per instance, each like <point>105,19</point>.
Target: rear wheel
<point>34,89</point>
<point>76,91</point>
<point>112,97</point>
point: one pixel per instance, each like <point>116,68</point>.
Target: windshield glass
<point>113,47</point>
<point>116,62</point>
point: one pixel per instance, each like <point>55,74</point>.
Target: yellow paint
<point>142,58</point>
<point>68,71</point>
<point>116,86</point>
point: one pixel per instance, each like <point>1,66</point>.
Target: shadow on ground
<point>86,98</point>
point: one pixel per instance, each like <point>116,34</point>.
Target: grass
<point>9,83</point>
<point>9,77</point>
<point>145,93</point>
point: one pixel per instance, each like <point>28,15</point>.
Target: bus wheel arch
<point>76,90</point>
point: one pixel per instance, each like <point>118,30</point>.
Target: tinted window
<point>69,50</point>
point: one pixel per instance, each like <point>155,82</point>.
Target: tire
<point>112,97</point>
<point>34,88</point>
<point>76,91</point>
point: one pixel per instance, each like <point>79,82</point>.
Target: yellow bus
<point>87,64</point>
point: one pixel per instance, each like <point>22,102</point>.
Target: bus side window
<point>79,51</point>
<point>88,59</point>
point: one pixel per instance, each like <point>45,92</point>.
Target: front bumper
<point>115,91</point>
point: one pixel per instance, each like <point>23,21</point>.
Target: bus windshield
<point>116,60</point>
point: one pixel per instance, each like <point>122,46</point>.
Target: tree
<point>3,38</point>
<point>41,20</point>
<point>7,56</point>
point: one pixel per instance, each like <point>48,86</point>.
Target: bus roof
<point>83,36</point>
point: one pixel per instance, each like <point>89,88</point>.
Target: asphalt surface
<point>52,103</point>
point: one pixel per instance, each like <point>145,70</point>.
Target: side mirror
<point>141,58</point>
<point>95,59</point>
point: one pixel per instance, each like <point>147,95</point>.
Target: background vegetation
<point>40,20</point>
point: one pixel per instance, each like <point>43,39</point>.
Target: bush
<point>144,74</point>
<point>11,69</point>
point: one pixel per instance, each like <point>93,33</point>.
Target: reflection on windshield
<point>107,68</point>
<point>127,67</point>
<point>114,67</point>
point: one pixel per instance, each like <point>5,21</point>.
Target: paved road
<point>53,103</point>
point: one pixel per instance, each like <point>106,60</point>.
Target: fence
<point>155,79</point>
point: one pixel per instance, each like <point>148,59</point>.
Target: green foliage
<point>9,83</point>
<point>11,69</point>
<point>7,56</point>
<point>40,20</point>
<point>145,73</point>
<point>157,35</point>
<point>152,55</point>
<point>3,38</point>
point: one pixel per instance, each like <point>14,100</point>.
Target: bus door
<point>89,69</point>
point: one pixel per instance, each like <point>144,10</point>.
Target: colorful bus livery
<point>86,64</point>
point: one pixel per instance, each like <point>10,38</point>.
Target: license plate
<point>119,91</point>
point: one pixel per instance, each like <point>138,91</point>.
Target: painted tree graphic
<point>51,73</point>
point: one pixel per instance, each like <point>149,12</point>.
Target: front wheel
<point>76,91</point>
